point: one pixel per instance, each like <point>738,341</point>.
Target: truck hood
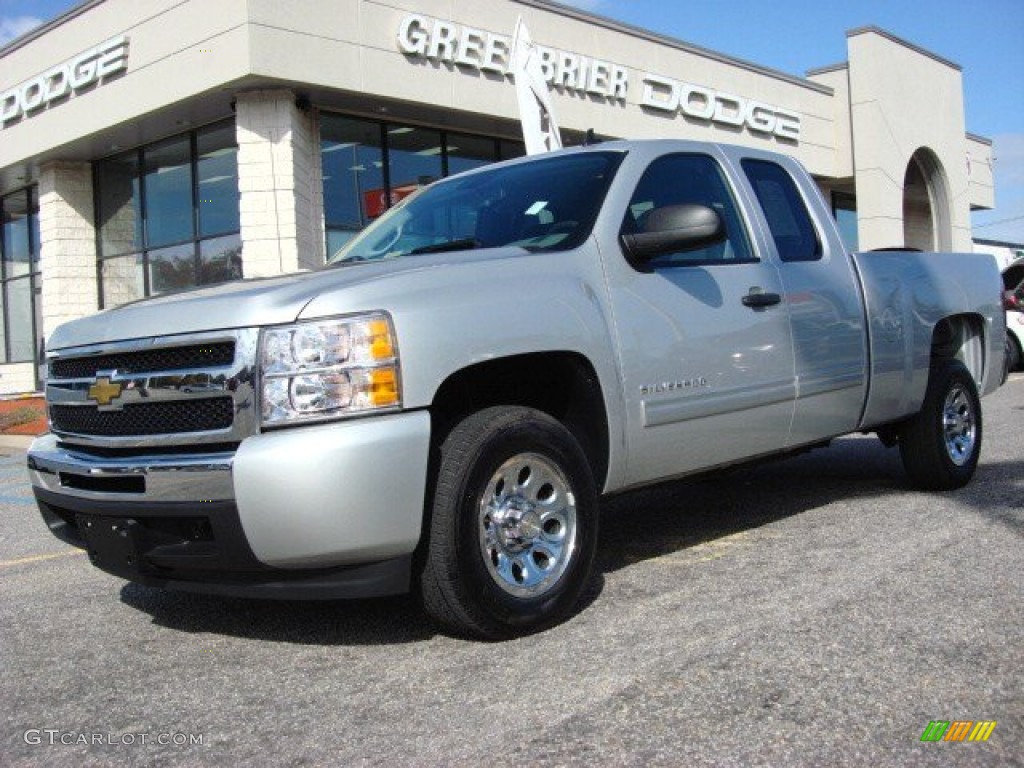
<point>245,303</point>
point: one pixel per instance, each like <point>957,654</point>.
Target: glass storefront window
<point>33,226</point>
<point>844,208</point>
<point>220,260</point>
<point>20,319</point>
<point>217,169</point>
<point>119,202</point>
<point>175,222</point>
<point>352,164</point>
<point>168,192</point>
<point>414,160</point>
<point>19,255</point>
<point>123,279</point>
<point>466,152</point>
<point>172,268</point>
<point>3,327</point>
<point>509,150</point>
<point>37,307</point>
<point>368,166</point>
<point>16,248</point>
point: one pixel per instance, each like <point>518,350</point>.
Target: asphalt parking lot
<point>808,612</point>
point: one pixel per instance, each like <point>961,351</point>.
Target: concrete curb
<point>19,442</point>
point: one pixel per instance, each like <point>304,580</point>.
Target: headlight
<point>328,368</point>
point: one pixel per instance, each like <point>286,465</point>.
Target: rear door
<point>823,295</point>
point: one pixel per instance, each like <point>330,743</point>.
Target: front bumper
<point>313,512</point>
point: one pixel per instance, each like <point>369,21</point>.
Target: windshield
<point>548,204</point>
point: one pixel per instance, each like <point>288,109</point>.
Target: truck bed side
<point>908,296</point>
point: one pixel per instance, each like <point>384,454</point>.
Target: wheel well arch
<point>564,385</point>
<point>961,337</point>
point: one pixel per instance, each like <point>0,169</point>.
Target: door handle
<point>757,299</point>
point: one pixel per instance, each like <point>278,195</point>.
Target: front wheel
<point>513,529</point>
<point>941,444</point>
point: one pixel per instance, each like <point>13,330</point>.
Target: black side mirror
<point>672,229</point>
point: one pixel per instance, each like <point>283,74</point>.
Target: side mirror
<point>674,228</point>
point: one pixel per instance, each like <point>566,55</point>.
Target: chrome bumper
<point>337,494</point>
<point>151,478</point>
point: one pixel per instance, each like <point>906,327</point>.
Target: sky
<point>985,37</point>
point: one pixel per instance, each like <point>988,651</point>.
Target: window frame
<point>740,218</point>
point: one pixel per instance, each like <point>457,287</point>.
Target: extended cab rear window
<point>788,218</point>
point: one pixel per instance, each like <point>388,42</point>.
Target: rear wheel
<point>1013,353</point>
<point>514,526</point>
<point>941,444</point>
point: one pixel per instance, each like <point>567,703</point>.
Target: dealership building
<point>151,147</point>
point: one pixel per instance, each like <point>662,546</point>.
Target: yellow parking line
<point>39,558</point>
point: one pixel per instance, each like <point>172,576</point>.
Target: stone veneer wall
<point>281,228</point>
<point>67,257</point>
<point>17,378</point>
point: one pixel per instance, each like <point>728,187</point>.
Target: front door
<point>705,343</point>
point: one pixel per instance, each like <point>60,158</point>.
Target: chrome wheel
<point>513,529</point>
<point>527,524</point>
<point>958,425</point>
<point>940,445</point>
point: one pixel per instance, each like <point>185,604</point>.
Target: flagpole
<point>536,113</point>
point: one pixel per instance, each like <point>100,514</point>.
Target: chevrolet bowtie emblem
<point>104,391</point>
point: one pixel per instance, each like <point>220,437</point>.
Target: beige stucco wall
<point>838,79</point>
<point>362,56</point>
<point>980,179</point>
<point>894,117</point>
<point>176,50</point>
<point>17,378</point>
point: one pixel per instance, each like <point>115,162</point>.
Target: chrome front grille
<point>184,358</point>
<point>155,392</point>
<point>170,418</point>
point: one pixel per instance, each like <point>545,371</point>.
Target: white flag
<point>540,131</point>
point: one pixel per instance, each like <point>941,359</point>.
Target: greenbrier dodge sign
<point>445,41</point>
<point>64,80</point>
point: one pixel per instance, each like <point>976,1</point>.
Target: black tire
<point>1013,353</point>
<point>469,583</point>
<point>941,456</point>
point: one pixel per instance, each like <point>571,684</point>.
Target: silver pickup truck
<point>442,406</point>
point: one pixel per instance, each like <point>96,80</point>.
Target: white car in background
<point>1013,283</point>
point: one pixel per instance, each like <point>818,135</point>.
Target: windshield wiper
<point>462,244</point>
